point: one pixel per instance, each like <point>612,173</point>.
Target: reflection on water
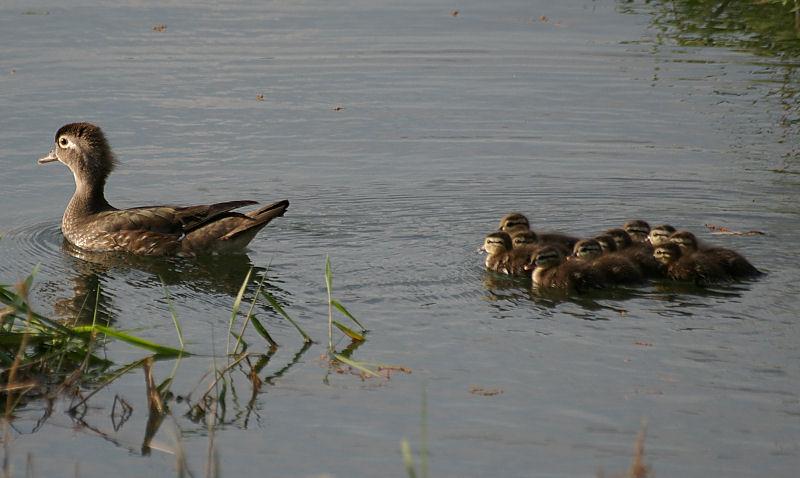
<point>221,274</point>
<point>769,29</point>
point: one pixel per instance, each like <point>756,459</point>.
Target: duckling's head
<point>514,222</point>
<point>637,229</point>
<point>667,253</point>
<point>497,243</point>
<point>660,234</point>
<point>685,239</point>
<point>621,238</point>
<point>547,257</point>
<point>587,249</point>
<point>523,238</point>
<point>607,243</point>
<point>85,151</point>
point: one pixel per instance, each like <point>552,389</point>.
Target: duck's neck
<point>87,200</point>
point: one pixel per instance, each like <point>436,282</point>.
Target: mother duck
<point>92,224</point>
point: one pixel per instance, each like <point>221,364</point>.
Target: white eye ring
<point>63,142</point>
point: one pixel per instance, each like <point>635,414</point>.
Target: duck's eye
<point>63,141</point>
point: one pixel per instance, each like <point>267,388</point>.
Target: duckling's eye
<point>63,141</point>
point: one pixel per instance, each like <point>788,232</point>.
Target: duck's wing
<point>167,219</point>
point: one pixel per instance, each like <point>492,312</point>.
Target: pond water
<point>401,132</point>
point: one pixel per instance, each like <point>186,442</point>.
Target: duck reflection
<point>90,301</point>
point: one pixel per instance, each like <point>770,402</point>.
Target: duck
<point>639,253</point>
<point>637,229</point>
<point>607,243</point>
<point>92,224</point>
<point>729,260</point>
<point>516,222</point>
<point>550,270</point>
<point>530,240</point>
<point>660,234</point>
<point>503,257</point>
<point>682,265</point>
<point>616,268</point>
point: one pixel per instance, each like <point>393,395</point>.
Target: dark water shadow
<point>220,274</point>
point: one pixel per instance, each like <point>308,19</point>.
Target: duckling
<point>731,261</point>
<point>616,268</point>
<point>516,222</point>
<point>92,224</point>
<point>637,229</point>
<point>530,240</point>
<point>550,270</point>
<point>639,253</point>
<point>660,234</point>
<point>607,243</point>
<point>503,257</point>
<point>686,266</point>
<point>524,238</point>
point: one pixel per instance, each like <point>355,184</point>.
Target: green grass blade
<point>350,316</point>
<point>173,313</point>
<point>329,286</point>
<point>408,458</point>
<point>131,339</point>
<point>349,332</point>
<point>328,275</point>
<point>13,300</point>
<point>278,308</point>
<point>262,331</point>
<point>355,365</point>
<point>239,338</point>
<point>235,309</point>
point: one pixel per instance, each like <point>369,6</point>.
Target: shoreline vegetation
<point>43,360</point>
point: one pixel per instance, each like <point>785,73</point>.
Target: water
<point>401,133</point>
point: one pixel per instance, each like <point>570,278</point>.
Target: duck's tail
<point>258,219</point>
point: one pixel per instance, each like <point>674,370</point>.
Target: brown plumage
<point>550,270</point>
<point>606,243</point>
<point>503,257</point>
<point>639,253</point>
<point>637,229</point>
<point>615,268</point>
<point>731,261</point>
<point>514,223</point>
<point>92,224</point>
<point>660,234</point>
<point>689,267</point>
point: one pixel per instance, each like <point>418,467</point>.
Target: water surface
<point>401,133</point>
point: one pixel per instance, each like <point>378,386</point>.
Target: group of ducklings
<point>621,256</point>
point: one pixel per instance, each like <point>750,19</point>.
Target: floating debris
<point>724,230</point>
<point>160,28</point>
<point>485,392</point>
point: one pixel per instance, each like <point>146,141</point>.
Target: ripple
<point>22,248</point>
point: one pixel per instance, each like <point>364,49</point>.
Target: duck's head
<point>514,222</point>
<point>660,234</point>
<point>621,238</point>
<point>587,249</point>
<point>496,243</point>
<point>85,151</point>
<point>667,253</point>
<point>547,257</point>
<point>607,243</point>
<point>637,229</point>
<point>523,238</point>
<point>685,239</point>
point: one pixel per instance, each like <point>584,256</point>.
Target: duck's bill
<point>51,156</point>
